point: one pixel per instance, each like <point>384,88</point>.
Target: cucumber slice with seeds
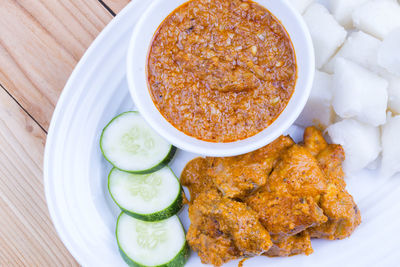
<point>160,243</point>
<point>150,197</point>
<point>129,144</point>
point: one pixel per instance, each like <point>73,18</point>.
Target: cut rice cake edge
<point>359,47</point>
<point>327,34</point>
<point>361,143</point>
<point>359,93</point>
<point>385,14</point>
<point>343,9</point>
<point>318,110</point>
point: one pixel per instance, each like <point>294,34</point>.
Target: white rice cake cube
<point>300,5</point>
<point>342,10</point>
<point>389,52</point>
<point>393,92</point>
<point>377,17</point>
<point>359,47</point>
<point>359,93</point>
<point>390,147</point>
<point>318,110</point>
<point>361,143</point>
<point>326,33</point>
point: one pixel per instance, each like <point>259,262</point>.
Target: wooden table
<point>40,43</point>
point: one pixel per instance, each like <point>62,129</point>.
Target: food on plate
<point>326,33</point>
<point>360,141</point>
<point>318,110</point>
<point>160,243</point>
<point>301,5</point>
<point>343,9</point>
<point>338,205</point>
<point>221,71</point>
<point>269,202</point>
<point>360,48</point>
<point>389,55</point>
<point>237,176</point>
<point>385,14</point>
<point>359,93</point>
<point>223,229</point>
<point>391,146</point>
<point>365,76</point>
<point>129,144</point>
<point>291,245</point>
<point>393,92</point>
<point>149,197</point>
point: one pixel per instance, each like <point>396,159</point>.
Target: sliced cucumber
<point>129,144</point>
<point>150,197</point>
<point>144,243</point>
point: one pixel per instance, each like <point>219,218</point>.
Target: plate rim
<point>62,102</point>
<point>67,90</point>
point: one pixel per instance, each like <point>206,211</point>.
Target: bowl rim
<point>188,143</point>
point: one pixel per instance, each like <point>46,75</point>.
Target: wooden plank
<point>117,5</point>
<point>27,235</point>
<point>41,42</point>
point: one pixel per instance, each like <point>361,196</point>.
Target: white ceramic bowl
<point>137,79</point>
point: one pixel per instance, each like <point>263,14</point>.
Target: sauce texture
<point>220,70</point>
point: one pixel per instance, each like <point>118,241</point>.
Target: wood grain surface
<point>40,43</point>
<point>27,236</point>
<point>116,5</point>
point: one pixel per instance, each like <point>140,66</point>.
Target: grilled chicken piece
<point>343,214</point>
<point>223,229</point>
<point>291,245</point>
<point>291,192</point>
<point>195,177</point>
<point>239,176</point>
<point>314,140</point>
<point>297,173</point>
<point>286,215</point>
<point>288,204</point>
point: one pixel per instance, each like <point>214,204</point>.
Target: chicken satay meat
<point>212,250</point>
<point>270,201</point>
<point>204,236</point>
<point>314,141</point>
<point>238,176</point>
<point>291,245</point>
<point>226,220</point>
<point>195,177</point>
<point>249,236</point>
<point>343,215</point>
<point>286,215</point>
<point>330,159</point>
<point>338,205</point>
<point>329,156</point>
<point>297,173</point>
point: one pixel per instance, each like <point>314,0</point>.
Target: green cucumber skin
<point>171,210</point>
<point>179,260</point>
<point>157,167</point>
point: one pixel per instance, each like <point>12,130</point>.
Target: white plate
<point>75,172</point>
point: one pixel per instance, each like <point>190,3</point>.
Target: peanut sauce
<point>220,70</point>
